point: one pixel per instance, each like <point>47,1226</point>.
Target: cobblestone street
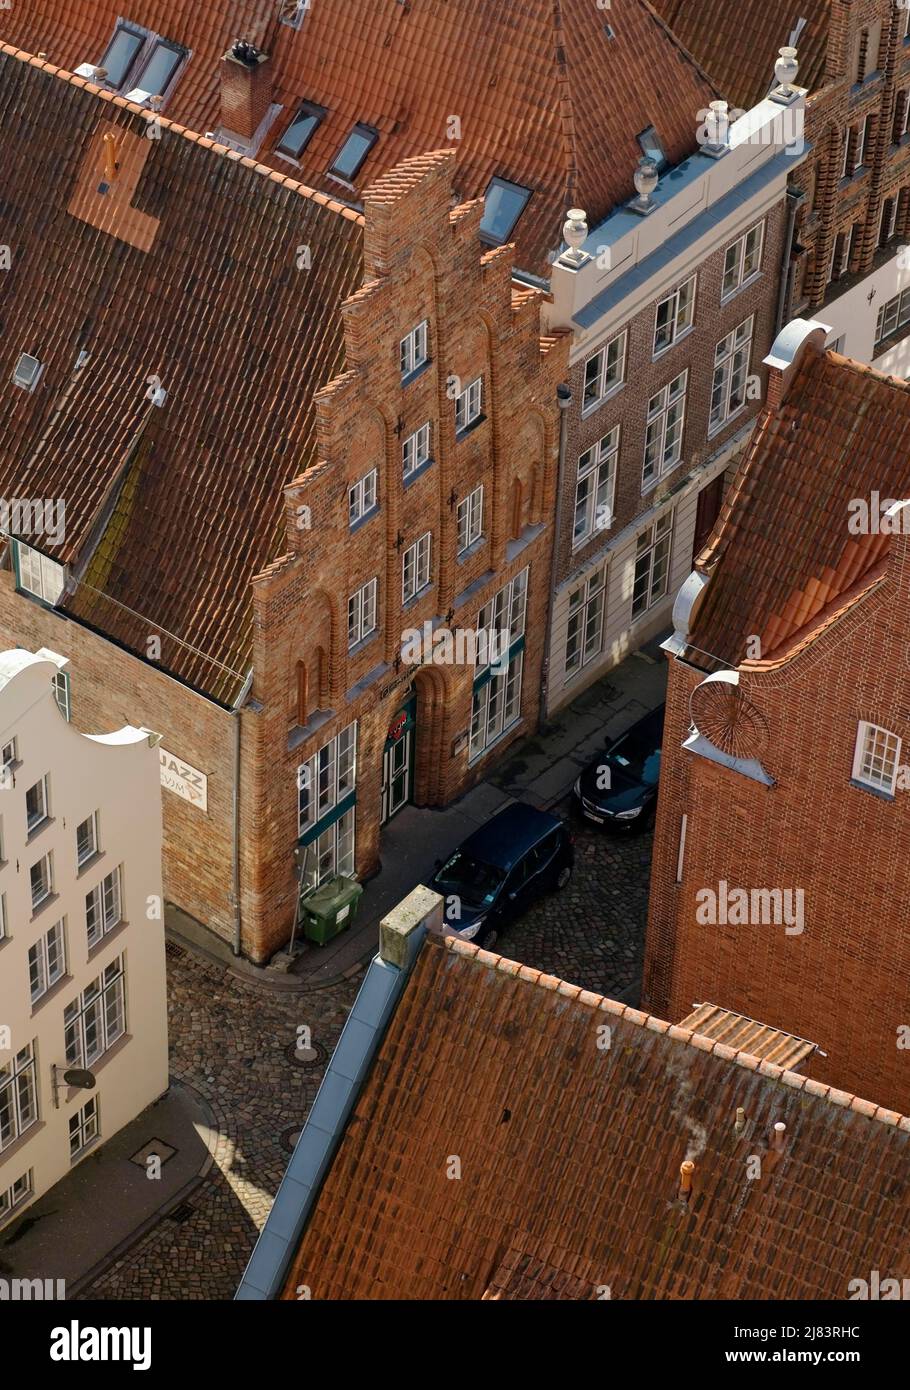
<point>233,1041</point>
<point>592,933</point>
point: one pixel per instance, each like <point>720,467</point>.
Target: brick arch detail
<point>433,703</point>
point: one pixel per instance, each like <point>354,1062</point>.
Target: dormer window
<point>36,574</point>
<point>301,130</point>
<point>349,159</point>
<point>27,372</point>
<point>503,204</point>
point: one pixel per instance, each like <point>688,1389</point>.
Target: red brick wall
<point>842,983</point>
<point>111,688</point>
<point>426,264</point>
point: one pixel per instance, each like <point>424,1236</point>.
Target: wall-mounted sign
<point>396,728</point>
<point>183,780</point>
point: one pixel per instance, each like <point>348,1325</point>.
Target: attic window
<point>156,74</point>
<point>27,372</point>
<point>349,159</point>
<point>292,12</point>
<point>504,202</point>
<point>300,132</point>
<point>121,54</point>
<point>651,148</point>
<point>36,574</point>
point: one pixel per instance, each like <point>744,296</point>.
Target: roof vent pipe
<point>686,1169</point>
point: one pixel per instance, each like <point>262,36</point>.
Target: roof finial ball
<point>575,232</point>
<point>785,70</point>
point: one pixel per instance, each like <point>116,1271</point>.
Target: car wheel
<point>562,878</point>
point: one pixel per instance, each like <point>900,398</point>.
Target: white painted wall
<point>853,317</point>
<point>117,775</point>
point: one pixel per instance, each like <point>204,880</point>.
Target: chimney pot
<point>686,1169</point>
<point>780,1130</point>
<point>740,1124</point>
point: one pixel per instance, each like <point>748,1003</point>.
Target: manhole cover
<point>313,1056</point>
<point>181,1213</point>
<point>290,1136</point>
<point>153,1149</point>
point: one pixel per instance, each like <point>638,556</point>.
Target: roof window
<point>349,159</point>
<point>504,202</point>
<point>27,372</point>
<point>300,132</point>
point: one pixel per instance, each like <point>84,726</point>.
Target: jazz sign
<point>181,779</point>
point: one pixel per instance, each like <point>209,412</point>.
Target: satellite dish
<point>80,1079</point>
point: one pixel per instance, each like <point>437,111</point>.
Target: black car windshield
<point>475,882</point>
<point>638,759</point>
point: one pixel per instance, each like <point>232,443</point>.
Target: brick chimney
<point>246,89</point>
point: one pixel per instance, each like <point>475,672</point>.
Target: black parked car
<point>497,872</point>
<point>619,788</point>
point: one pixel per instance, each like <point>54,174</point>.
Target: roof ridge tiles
<point>194,137</point>
<point>685,1036</point>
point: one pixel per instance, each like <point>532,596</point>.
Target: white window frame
<point>657,557</point>
<point>876,745</point>
<point>61,684</point>
<point>363,497</point>
<point>897,313</point>
<point>47,861</point>
<point>732,359</point>
<point>742,261</point>
<point>363,607</point>
<point>470,519</point>
<point>47,960</point>
<point>9,754</point>
<point>585,622</point>
<point>504,613</point>
<point>19,1090</point>
<point>845,153</point>
<point>326,778</point>
<point>16,1194</point>
<point>469,405</point>
<point>104,906</point>
<point>604,373</point>
<point>681,318</point>
<point>2,916</point>
<point>96,1018</point>
<point>335,849</point>
<point>595,488</point>
<point>414,348</point>
<point>33,823</point>
<point>83,859</point>
<point>417,567</point>
<point>38,575</point>
<point>665,428</point>
<point>84,1126</point>
<point>496,707</point>
<point>415,451</point>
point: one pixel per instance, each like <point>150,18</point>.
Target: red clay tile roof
<point>738,43</point>
<point>545,97</point>
<point>188,495</point>
<point>782,552</point>
<point>746,1035</point>
<point>570,1158</point>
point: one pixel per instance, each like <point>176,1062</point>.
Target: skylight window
<point>651,148</point>
<point>27,372</point>
<point>156,74</point>
<point>121,54</point>
<point>504,203</point>
<point>349,159</point>
<point>300,132</point>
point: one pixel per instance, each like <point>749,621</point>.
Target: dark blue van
<point>500,869</point>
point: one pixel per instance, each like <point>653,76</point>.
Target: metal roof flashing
<point>402,934</point>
